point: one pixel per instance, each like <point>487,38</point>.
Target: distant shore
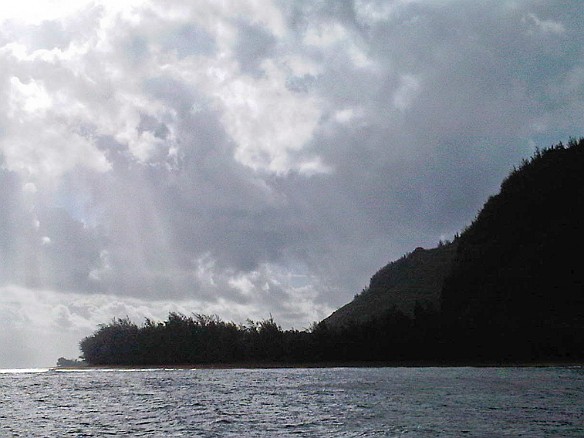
<point>251,365</point>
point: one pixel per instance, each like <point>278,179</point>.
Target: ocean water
<point>333,402</point>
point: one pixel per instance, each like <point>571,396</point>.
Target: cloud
<point>269,123</point>
<point>546,26</point>
<point>253,158</point>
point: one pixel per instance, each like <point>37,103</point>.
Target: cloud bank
<point>253,158</point>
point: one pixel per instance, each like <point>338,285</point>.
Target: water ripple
<point>348,402</point>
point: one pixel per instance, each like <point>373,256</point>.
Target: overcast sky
<point>254,158</point>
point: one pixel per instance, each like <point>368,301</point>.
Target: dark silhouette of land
<point>508,289</point>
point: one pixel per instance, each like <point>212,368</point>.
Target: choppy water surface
<point>341,402</point>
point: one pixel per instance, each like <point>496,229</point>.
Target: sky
<point>254,158</point>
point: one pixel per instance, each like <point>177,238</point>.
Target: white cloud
<point>29,188</point>
<point>99,273</point>
<point>546,26</point>
<point>268,122</point>
<point>243,283</point>
<point>408,89</point>
<point>40,151</point>
<point>325,34</point>
<point>374,11</point>
<point>345,115</point>
<point>301,66</point>
<point>328,35</point>
<point>34,11</point>
<point>30,98</point>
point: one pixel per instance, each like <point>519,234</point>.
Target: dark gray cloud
<point>246,159</point>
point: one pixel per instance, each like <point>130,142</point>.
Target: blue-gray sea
<point>323,402</point>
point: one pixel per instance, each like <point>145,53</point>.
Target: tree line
<point>204,339</point>
<point>395,338</point>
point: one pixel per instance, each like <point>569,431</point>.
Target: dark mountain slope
<point>517,284</point>
<point>511,287</point>
<point>415,278</point>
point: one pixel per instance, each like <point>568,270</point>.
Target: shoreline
<point>277,365</point>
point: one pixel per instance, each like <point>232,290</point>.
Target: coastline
<point>277,365</point>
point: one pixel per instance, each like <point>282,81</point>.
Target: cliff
<point>416,278</point>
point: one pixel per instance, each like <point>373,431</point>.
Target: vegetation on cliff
<point>413,280</point>
<point>516,288</point>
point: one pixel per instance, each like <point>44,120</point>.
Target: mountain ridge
<point>414,279</point>
<point>510,284</point>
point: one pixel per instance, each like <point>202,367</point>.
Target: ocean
<point>313,402</point>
